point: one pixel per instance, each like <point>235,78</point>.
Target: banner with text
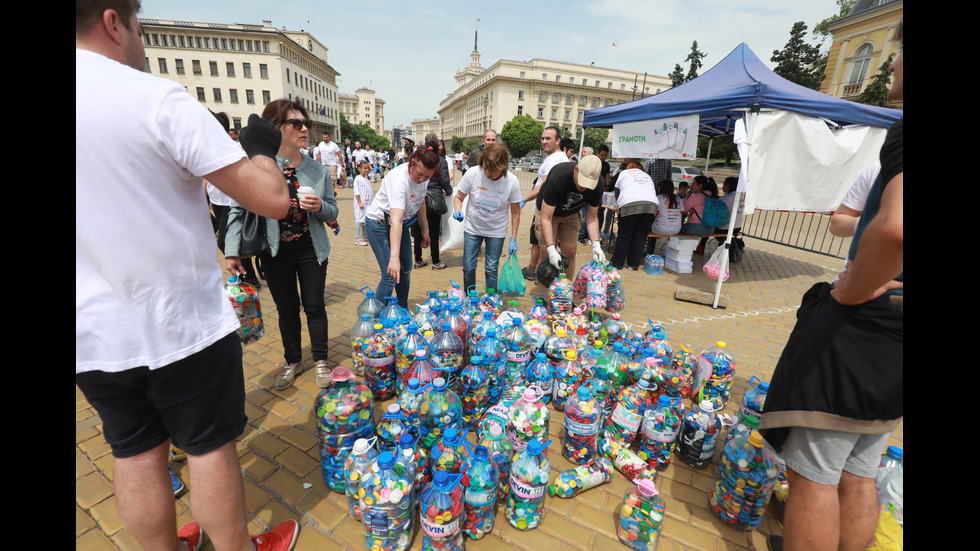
<point>673,138</point>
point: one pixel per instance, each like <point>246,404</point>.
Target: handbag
<point>435,203</point>
<point>253,242</point>
<point>511,282</point>
<point>736,251</point>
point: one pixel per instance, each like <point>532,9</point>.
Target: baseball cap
<point>589,169</point>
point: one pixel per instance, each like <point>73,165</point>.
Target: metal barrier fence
<point>808,231</point>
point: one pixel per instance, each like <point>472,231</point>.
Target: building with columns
<point>239,68</point>
<point>364,106</point>
<point>552,92</point>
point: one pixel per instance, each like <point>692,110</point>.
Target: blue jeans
<point>471,248</point>
<point>378,236</point>
<point>696,229</point>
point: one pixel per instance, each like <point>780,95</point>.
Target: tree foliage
<point>594,137</point>
<point>820,29</point>
<point>799,61</point>
<point>457,145</point>
<point>362,133</point>
<point>521,135</point>
<point>723,146</point>
<point>694,59</point>
<point>876,92</point>
<point>677,76</point>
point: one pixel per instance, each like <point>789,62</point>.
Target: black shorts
<point>197,402</point>
<point>534,236</point>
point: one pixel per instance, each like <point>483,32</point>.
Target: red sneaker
<point>281,538</point>
<point>192,535</point>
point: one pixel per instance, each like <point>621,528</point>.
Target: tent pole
<point>707,158</point>
<point>749,119</point>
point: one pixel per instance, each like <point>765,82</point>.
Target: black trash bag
<point>545,274</point>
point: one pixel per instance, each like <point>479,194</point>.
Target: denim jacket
<point>309,173</point>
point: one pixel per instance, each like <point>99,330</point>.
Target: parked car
<point>684,174</point>
<point>531,164</point>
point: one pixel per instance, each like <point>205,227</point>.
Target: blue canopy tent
<point>796,157</point>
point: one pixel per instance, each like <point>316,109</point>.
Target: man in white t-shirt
<point>845,218</point>
<point>359,153</point>
<point>329,154</point>
<point>550,140</point>
<point>161,363</point>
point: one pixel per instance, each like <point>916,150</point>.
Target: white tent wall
<point>798,163</point>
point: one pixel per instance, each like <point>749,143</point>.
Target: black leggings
<point>434,220</point>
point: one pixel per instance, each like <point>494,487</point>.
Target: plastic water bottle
<point>528,419</point>
<point>415,461</point>
<point>754,399</point>
<point>517,342</point>
<point>405,349</point>
<point>624,421</point>
<point>491,302</point>
<point>659,431</point>
<point>393,424</point>
<point>556,343</point>
<point>584,477</point>
<point>392,312</point>
<point>359,335</point>
<point>484,322</point>
<point>625,460</point>
<point>371,305</point>
<point>560,295</point>
<point>700,434</point>
<point>538,311</point>
<point>641,516</point>
<point>422,369</point>
<point>475,389</point>
<point>746,475</point>
<point>245,301</point>
<point>890,480</point>
<point>379,364</point>
<point>529,476</point>
<point>583,415</point>
<point>716,367</point>
<point>447,354</point>
<point>410,402</point>
<point>441,513</point>
<point>440,409</point>
<point>344,412</point>
<point>480,493</point>
<point>501,452</point>
<point>540,373</point>
<point>615,291</point>
<point>450,452</point>
<point>456,293</point>
<point>387,504</point>
<point>568,373</point>
<point>355,466</point>
<point>495,359</point>
<point>682,372</point>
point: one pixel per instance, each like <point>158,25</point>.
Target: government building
<point>364,106</point>
<point>552,92</point>
<point>239,68</point>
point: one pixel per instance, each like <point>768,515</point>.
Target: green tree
<point>723,146</point>
<point>471,143</point>
<point>845,6</point>
<point>362,133</point>
<point>594,137</point>
<point>798,61</point>
<point>521,135</point>
<point>694,58</point>
<point>876,92</point>
<point>677,76</point>
<point>457,146</point>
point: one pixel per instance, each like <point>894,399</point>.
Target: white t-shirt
<point>729,200</point>
<point>359,155</point>
<point>397,191</point>
<point>148,288</point>
<point>217,196</point>
<point>328,153</point>
<point>363,189</point>
<point>488,202</point>
<point>549,162</point>
<point>370,156</point>
<point>635,185</point>
<point>668,220</point>
<point>858,194</point>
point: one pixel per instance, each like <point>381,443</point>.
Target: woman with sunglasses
<point>398,204</point>
<point>298,244</point>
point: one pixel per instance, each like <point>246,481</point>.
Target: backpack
<point>715,213</point>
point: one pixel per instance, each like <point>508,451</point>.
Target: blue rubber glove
<point>513,246</point>
<point>458,215</point>
<point>522,204</point>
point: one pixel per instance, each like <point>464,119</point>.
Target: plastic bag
<point>716,264</point>
<point>511,282</point>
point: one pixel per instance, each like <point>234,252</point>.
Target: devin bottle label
<point>525,491</point>
<point>440,530</point>
<point>379,362</point>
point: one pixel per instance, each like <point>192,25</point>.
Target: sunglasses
<point>299,124</point>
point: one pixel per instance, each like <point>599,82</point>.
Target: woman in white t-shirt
<point>362,196</point>
<point>637,202</point>
<point>492,192</point>
<point>670,213</point>
<point>399,203</point>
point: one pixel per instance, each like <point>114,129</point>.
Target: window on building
<point>196,67</point>
<point>250,96</point>
<point>163,38</point>
<point>287,75</point>
<point>247,70</point>
<point>571,80</point>
<point>520,109</point>
<point>236,123</point>
<point>544,76</point>
<point>213,65</point>
<point>207,43</point>
<point>520,94</point>
<point>585,82</point>
<point>568,114</point>
<point>554,114</point>
<point>540,112</point>
<point>542,97</point>
<point>555,98</point>
<point>580,116</point>
<point>146,65</point>
<point>606,104</point>
<point>861,62</point>
<point>217,94</point>
<point>182,44</point>
<point>266,97</point>
<point>597,83</point>
<point>263,70</point>
<point>557,78</point>
<point>248,44</point>
<point>610,86</point>
<point>522,74</point>
<point>622,86</point>
<point>200,94</point>
<point>197,39</point>
<point>233,95</point>
<point>595,102</point>
<point>163,64</point>
<point>581,101</point>
<point>179,66</point>
<point>646,90</point>
<point>230,69</point>
<point>224,43</point>
<point>568,100</point>
<point>241,44</point>
<point>265,46</point>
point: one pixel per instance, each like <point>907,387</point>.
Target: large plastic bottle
<point>416,462</point>
<point>387,505</point>
<point>355,465</point>
<point>890,480</point>
<point>584,477</point>
<point>491,302</point>
<point>700,434</point>
<point>391,427</point>
<point>624,421</point>
<point>478,331</point>
<point>495,359</point>
<point>501,452</point>
<point>615,290</point>
<point>568,373</point>
<point>641,516</point>
<point>474,390</point>
<point>449,453</point>
<point>410,401</point>
<point>456,293</point>
<point>379,364</point>
<point>359,335</point>
<point>541,373</point>
<point>344,412</point>
<point>538,311</point>
<point>746,475</point>
<point>716,367</point>
<point>447,354</point>
<point>528,419</point>
<point>517,343</point>
<point>579,439</point>
<point>529,476</point>
<point>371,305</point>
<point>440,409</point>
<point>245,301</point>
<point>392,311</point>
<point>422,369</point>
<point>659,431</point>
<point>560,295</point>
<point>405,349</point>
<point>754,399</point>
<point>556,342</point>
<point>480,493</point>
<point>441,513</point>
<point>625,460</point>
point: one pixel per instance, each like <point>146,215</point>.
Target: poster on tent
<point>672,138</point>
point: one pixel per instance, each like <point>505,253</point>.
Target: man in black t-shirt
<point>570,187</point>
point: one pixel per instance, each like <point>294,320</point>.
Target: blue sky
<point>409,51</point>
